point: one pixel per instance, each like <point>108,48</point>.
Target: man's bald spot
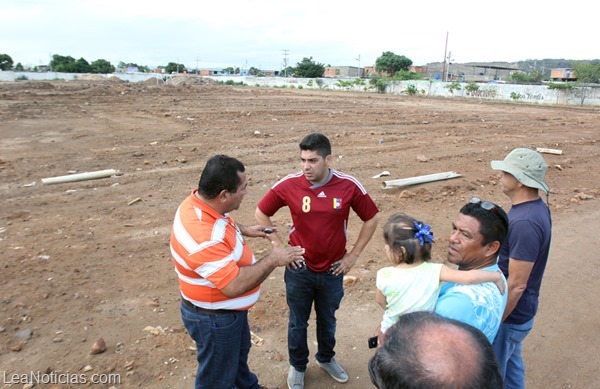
<point>448,352</point>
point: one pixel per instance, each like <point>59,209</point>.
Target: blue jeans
<point>508,345</point>
<point>223,343</point>
<point>303,287</point>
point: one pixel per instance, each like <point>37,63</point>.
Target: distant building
<point>368,71</point>
<point>418,69</point>
<point>563,74</point>
<point>343,71</point>
<point>213,72</point>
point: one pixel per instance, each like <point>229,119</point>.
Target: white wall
<point>539,94</point>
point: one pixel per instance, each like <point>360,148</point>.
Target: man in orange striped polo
<point>218,275</point>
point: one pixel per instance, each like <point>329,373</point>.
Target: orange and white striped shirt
<point>208,249</point>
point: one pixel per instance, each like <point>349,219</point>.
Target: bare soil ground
<point>87,260</point>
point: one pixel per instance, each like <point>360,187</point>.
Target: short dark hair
<point>426,350</point>
<point>493,224</point>
<point>399,231</point>
<point>316,142</point>
<point>220,173</point>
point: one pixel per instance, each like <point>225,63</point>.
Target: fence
<point>539,94</point>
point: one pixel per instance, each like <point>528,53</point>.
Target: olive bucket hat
<point>526,165</point>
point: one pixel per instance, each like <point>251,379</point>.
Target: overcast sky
<point>263,33</point>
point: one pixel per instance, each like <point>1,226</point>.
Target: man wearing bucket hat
<point>523,256</point>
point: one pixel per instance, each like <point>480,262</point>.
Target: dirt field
<point>87,260</point>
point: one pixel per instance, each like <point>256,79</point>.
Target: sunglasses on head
<point>489,207</point>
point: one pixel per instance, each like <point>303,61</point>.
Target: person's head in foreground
<point>426,350</point>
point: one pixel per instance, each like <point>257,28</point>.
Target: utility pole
<point>197,60</point>
<point>450,59</point>
<point>359,72</point>
<point>285,61</point>
<point>444,75</point>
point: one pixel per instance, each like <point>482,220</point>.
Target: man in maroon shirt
<point>319,199</point>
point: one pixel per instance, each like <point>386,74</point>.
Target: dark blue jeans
<point>303,287</point>
<point>223,343</point>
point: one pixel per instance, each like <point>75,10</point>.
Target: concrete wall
<point>539,94</point>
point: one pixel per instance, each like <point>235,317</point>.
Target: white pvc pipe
<point>80,176</point>
<point>419,180</point>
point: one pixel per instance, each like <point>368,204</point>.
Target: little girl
<point>413,283</point>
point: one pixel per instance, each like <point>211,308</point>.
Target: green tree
<point>173,67</point>
<point>81,66</point>
<point>534,77</point>
<point>19,67</point>
<point>255,72</point>
<point>6,62</point>
<point>102,66</point>
<point>287,71</point>
<point>391,63</point>
<point>63,64</point>
<point>586,73</point>
<point>307,68</point>
<point>406,75</point>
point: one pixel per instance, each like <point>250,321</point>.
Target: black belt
<point>204,310</point>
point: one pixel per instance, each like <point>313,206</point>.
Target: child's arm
<point>472,277</point>
<point>381,300</point>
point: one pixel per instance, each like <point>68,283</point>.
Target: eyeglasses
<point>489,207</point>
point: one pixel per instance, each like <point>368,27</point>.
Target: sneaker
<point>295,379</point>
<point>334,370</point>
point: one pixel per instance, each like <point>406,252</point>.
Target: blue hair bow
<point>423,233</point>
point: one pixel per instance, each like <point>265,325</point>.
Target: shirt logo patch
<point>322,195</point>
<point>337,203</point>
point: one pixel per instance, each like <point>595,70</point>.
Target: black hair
<point>316,142</point>
<point>220,173</point>
<point>404,359</point>
<point>399,231</point>
<point>493,223</point>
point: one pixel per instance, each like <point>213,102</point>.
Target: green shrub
<point>472,87</point>
<point>345,84</point>
<point>381,85</point>
<point>554,86</point>
<point>455,86</point>
<point>412,90</point>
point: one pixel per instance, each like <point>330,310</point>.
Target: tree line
<point>388,63</point>
<point>388,66</point>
